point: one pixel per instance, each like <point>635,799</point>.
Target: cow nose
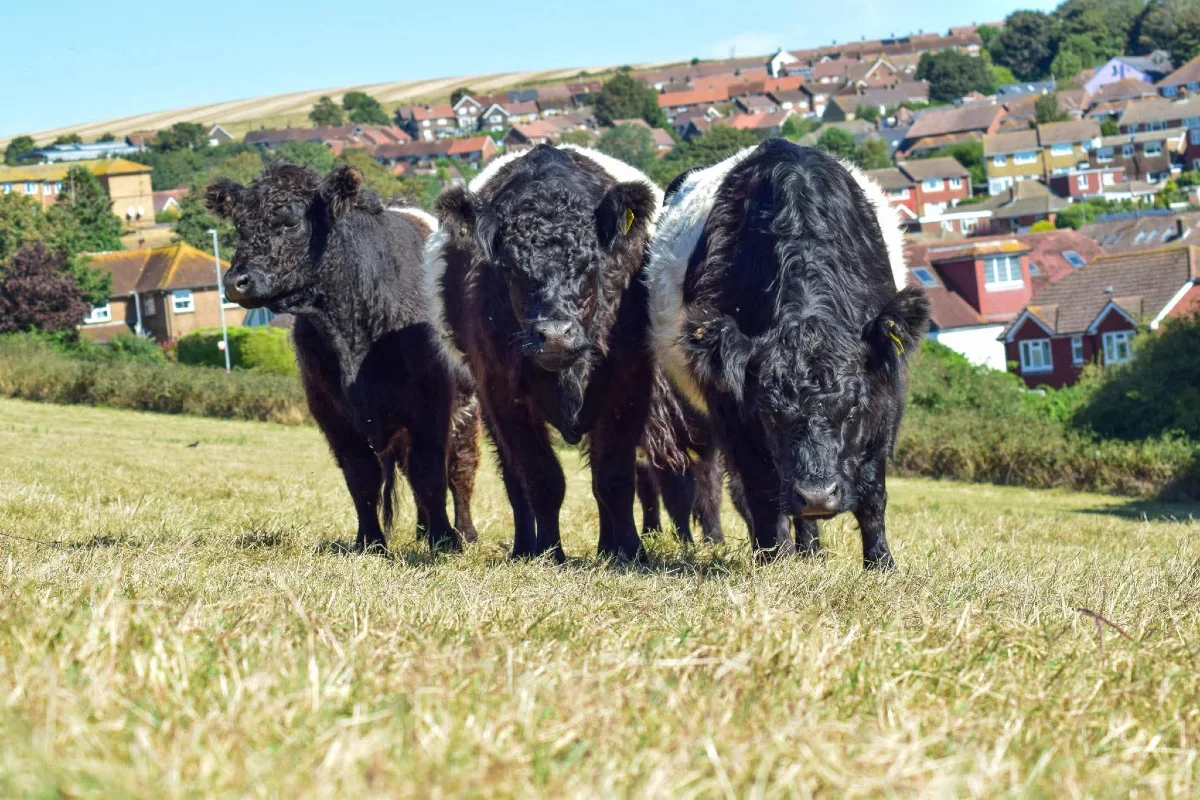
<point>816,501</point>
<point>242,283</point>
<point>553,336</point>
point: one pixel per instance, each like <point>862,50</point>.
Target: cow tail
<point>667,433</point>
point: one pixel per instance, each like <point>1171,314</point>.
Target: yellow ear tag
<point>896,340</point>
<point>627,223</point>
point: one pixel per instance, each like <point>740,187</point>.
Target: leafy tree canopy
<point>181,136</point>
<point>952,74</point>
<point>1046,109</point>
<point>872,154</point>
<point>1027,44</point>
<point>38,293</point>
<point>107,137</point>
<point>365,110</point>
<point>313,154</point>
<point>632,144</point>
<point>17,147</point>
<point>701,151</point>
<point>837,142</point>
<point>625,98</point>
<point>69,138</point>
<point>325,112</point>
<point>460,93</point>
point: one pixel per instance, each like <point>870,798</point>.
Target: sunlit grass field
<point>177,630</point>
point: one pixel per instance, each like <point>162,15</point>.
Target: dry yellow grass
<point>185,636</point>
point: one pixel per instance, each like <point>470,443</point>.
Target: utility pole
<point>221,296</point>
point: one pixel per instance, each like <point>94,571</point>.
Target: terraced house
<point>1012,157</point>
<point>127,184</point>
<point>1067,146</point>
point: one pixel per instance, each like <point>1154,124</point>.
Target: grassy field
<point>181,632</point>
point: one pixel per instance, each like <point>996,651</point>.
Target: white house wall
<point>980,345</point>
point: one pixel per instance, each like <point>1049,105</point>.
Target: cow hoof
<point>882,562</point>
<point>446,543</point>
<point>470,536</point>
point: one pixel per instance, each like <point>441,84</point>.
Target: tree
<point>796,128</point>
<point>365,110</point>
<point>1171,25</point>
<point>195,221</point>
<point>21,223</point>
<point>1002,76</point>
<point>460,93</point>
<point>987,33</point>
<point>632,144</point>
<point>1041,226</point>
<point>69,138</point>
<point>1109,127</point>
<point>622,97</point>
<point>313,154</point>
<point>325,112</point>
<point>245,167</point>
<point>577,137</point>
<point>107,137</point>
<point>1067,63</point>
<point>701,151</point>
<point>969,154</point>
<point>37,293</point>
<point>952,75</point>
<point>1046,109</point>
<point>837,142</point>
<point>17,147</point>
<point>181,136</point>
<point>377,177</point>
<point>84,201</point>
<point>1027,45</point>
<point>868,113</point>
<point>872,154</point>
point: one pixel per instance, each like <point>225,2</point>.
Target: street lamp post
<point>221,297</point>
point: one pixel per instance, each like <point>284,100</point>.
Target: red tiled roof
<point>939,122</point>
<point>474,144</point>
<point>760,121</point>
<point>693,97</point>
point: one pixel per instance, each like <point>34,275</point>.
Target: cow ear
<point>340,189</point>
<point>624,213</point>
<point>467,220</point>
<point>222,195</point>
<point>717,351</point>
<point>898,329</point>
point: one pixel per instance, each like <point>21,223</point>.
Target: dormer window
<point>1002,273</point>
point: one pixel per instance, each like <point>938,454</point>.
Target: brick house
<point>901,190</point>
<point>941,183</point>
<point>1020,207</point>
<point>475,150</point>
<point>675,103</point>
<point>166,292</point>
<point>1094,313</point>
<point>1012,157</point>
<point>1143,230</point>
<point>939,127</point>
<point>1084,183</point>
<point>1067,146</point>
<point>126,183</point>
<point>1146,155</point>
<point>1157,114</point>
<point>766,123</point>
<point>428,122</point>
<point>467,112</point>
<point>531,134</point>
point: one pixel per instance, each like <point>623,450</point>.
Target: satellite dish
<point>141,213</point>
<point>129,212</point>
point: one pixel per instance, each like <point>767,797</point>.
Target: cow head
<point>825,404</point>
<point>283,220</point>
<point>564,259</point>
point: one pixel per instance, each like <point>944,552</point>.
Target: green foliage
<point>1155,394</point>
<point>1109,127</point>
<point>1002,76</point>
<point>632,144</point>
<point>623,97</point>
<point>325,112</point>
<point>181,136</point>
<point>1171,25</point>
<point>195,221</point>
<point>360,107</point>
<point>107,137</point>
<point>1078,214</point>
<point>69,138</point>
<point>17,147</point>
<point>243,168</point>
<point>82,222</point>
<point>1026,45</point>
<point>578,137</point>
<point>868,113</point>
<point>796,128</point>
<point>952,74</point>
<point>460,93</point>
<point>1046,109</point>
<point>38,294</point>
<point>264,349</point>
<point>720,142</point>
<point>176,168</point>
<point>313,154</point>
<point>169,214</point>
<point>969,154</point>
<point>129,347</point>
<point>987,33</point>
<point>32,369</point>
<point>872,154</point>
<point>837,142</point>
<point>1042,225</point>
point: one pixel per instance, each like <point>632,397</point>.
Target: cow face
<point>282,220</point>
<point>563,260</point>
<point>824,406</point>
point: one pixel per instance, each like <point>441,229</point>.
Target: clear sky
<point>77,61</point>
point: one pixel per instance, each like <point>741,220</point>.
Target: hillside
<point>239,116</point>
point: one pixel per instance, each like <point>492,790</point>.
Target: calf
<point>776,310</point>
<point>328,252</point>
<point>533,282</point>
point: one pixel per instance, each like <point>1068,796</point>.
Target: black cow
<point>775,308</point>
<point>533,279</point>
<point>328,252</point>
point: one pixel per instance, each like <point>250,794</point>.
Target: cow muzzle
<point>816,501</point>
<point>556,344</point>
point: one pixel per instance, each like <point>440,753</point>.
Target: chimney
<point>1180,227</point>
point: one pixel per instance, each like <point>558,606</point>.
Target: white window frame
<point>956,183</point>
<point>1061,150</point>
<point>1077,350</point>
<point>998,283</point>
<point>998,161</point>
<point>933,185</point>
<point>967,225</point>
<point>183,301</point>
<point>1037,356</point>
<point>5,188</point>
<point>1081,182</point>
<point>99,314</point>
<point>1114,342</point>
<point>1110,178</point>
<point>31,187</point>
<point>1127,151</point>
<point>1025,158</point>
<point>1194,135</point>
<point>1157,151</point>
<point>1104,155</point>
<point>898,194</point>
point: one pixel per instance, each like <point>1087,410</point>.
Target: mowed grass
<point>184,633</point>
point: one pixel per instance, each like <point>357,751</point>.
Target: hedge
<point>262,349</point>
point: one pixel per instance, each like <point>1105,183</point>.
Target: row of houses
<point>494,113</point>
<point>126,182</point>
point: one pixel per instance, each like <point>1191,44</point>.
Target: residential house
<point>1011,92</point>
<point>877,74</point>
<point>168,200</point>
<point>127,185</point>
<point>767,123</point>
<point>495,118</point>
<point>1105,181</point>
<point>218,135</point>
<point>1185,80</point>
<point>756,104</point>
<point>663,141</point>
<point>901,191</point>
<point>475,150</point>
<point>1144,156</point>
<point>940,127</point>
<point>705,114</point>
<point>1143,230</point>
<point>1116,91</point>
<point>764,86</point>
<point>54,153</point>
<point>696,126</point>
<point>428,122</point>
<point>1012,157</point>
<point>795,100</point>
<point>1067,146</point>
<point>467,112</point>
<point>675,103</point>
<point>553,101</point>
<point>1093,314</point>
<point>521,110</point>
<point>779,63</point>
<point>1160,114</point>
<point>818,97</point>
<point>941,183</point>
<point>1144,69</point>
<point>841,108</point>
<point>902,92</point>
<point>1018,208</point>
<point>530,134</point>
<point>165,292</point>
<point>582,90</point>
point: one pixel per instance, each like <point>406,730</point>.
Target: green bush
<point>35,370</point>
<point>263,349</point>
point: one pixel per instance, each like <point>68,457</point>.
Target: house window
<point>1170,91</point>
<point>956,183</point>
<point>1110,178</point>
<point>1152,149</point>
<point>1117,348</point>
<point>48,188</point>
<point>1077,350</point>
<point>148,307</point>
<point>1061,150</point>
<point>924,277</point>
<point>898,194</point>
<point>6,188</point>
<point>1156,126</point>
<point>1127,151</point>
<point>31,187</point>
<point>1025,158</point>
<point>98,314</point>
<point>182,301</point>
<point>1034,272</point>
<point>1104,155</point>
<point>967,226</point>
<point>1035,356</point>
<point>1002,272</point>
<point>1081,182</point>
<point>998,161</point>
<point>933,185</point>
<point>1073,258</point>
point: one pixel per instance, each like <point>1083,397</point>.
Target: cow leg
<point>737,495</point>
<point>614,457</point>
<point>427,476</point>
<point>706,509</point>
<point>422,516</point>
<point>527,451</point>
<point>808,537</point>
<point>364,479</point>
<point>524,526</point>
<point>770,528</point>
<point>647,493</point>
<point>462,465</point>
<point>870,515</point>
<point>679,496</point>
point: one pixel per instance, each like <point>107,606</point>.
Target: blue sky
<point>89,61</point>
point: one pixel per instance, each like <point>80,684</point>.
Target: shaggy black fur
<point>541,294</point>
<point>796,333</point>
<point>328,252</point>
